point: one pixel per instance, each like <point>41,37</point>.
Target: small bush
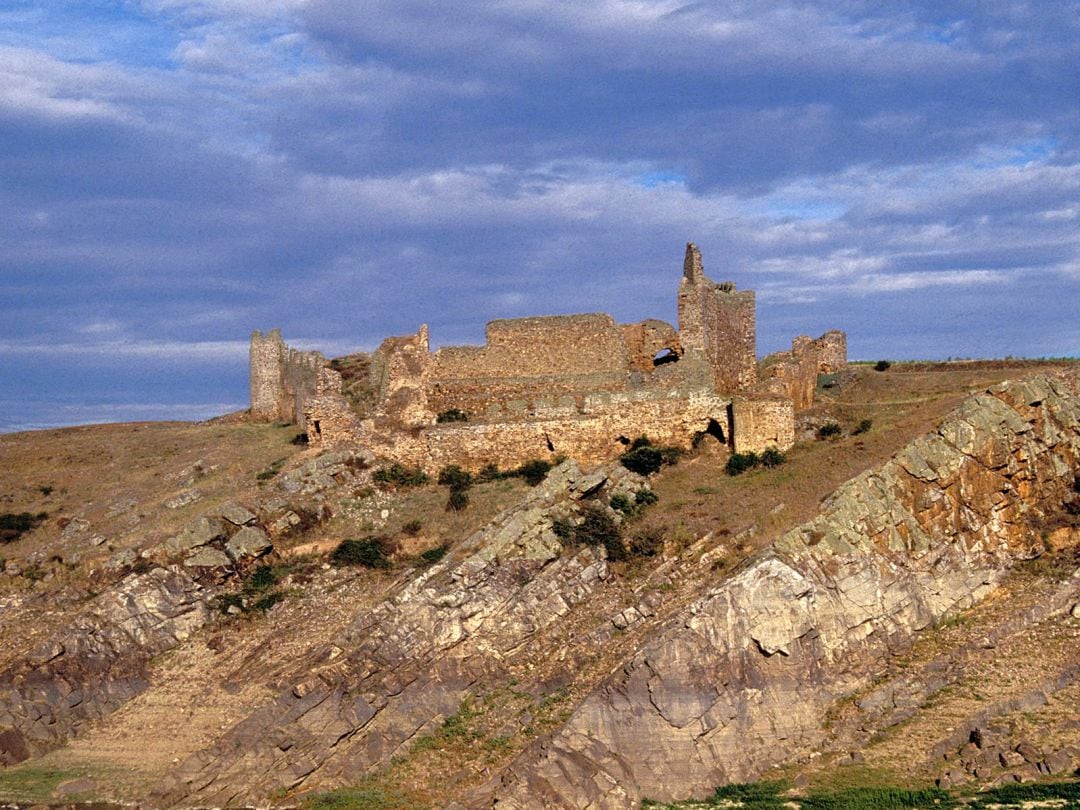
<point>45,490</point>
<point>621,503</point>
<point>433,555</point>
<point>398,475</point>
<point>370,553</point>
<point>534,471</point>
<point>300,439</point>
<point>645,498</point>
<point>412,528</point>
<point>489,472</point>
<point>739,463</point>
<point>262,579</point>
<point>458,501</point>
<point>642,460</point>
<point>452,415</point>
<point>455,477</point>
<point>863,427</point>
<point>772,457</point>
<point>828,430</point>
<point>15,525</point>
<point>882,365</point>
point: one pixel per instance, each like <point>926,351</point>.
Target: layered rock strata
<point>741,680</point>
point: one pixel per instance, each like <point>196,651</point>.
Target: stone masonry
<point>582,386</point>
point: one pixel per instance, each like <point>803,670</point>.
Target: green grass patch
<point>370,796</point>
<point>32,783</point>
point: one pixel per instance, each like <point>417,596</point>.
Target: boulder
<point>200,532</point>
<point>236,514</point>
<point>248,543</point>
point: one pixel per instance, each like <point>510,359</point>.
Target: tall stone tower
<point>718,324</point>
<point>267,357</point>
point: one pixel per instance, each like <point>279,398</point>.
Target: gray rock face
<point>742,678</point>
<point>200,532</point>
<point>236,514</point>
<point>98,662</point>
<point>247,544</point>
<point>408,663</point>
<point>208,558</point>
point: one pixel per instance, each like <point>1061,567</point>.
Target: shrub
<point>299,439</point>
<point>739,463</point>
<point>621,503</point>
<point>15,525</point>
<point>433,555</point>
<point>772,457</point>
<point>882,365</point>
<point>398,475</point>
<point>45,490</point>
<point>271,471</point>
<point>645,497</point>
<point>262,579</point>
<point>863,427</point>
<point>412,528</point>
<point>489,472</point>
<point>458,500</point>
<point>644,460</point>
<point>534,471</point>
<point>828,430</point>
<point>598,528</point>
<point>455,477</point>
<point>370,553</point>
<point>452,415</point>
<point>266,602</point>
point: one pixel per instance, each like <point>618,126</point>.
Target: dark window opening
<point>316,428</point>
<point>623,440</point>
<point>550,446</point>
<point>664,357</point>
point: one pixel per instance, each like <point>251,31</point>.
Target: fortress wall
<point>530,359</point>
<point>794,374</point>
<point>645,339</point>
<point>719,324</point>
<point>282,379</point>
<point>589,437</point>
<point>758,424</point>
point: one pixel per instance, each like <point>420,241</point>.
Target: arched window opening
<point>665,356</point>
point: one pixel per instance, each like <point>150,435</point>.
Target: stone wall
<point>530,358</point>
<point>282,379</point>
<point>758,424</point>
<point>794,374</point>
<point>598,430</point>
<point>719,324</point>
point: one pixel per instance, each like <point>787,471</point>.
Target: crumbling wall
<point>599,430</point>
<point>718,323</point>
<point>399,369</point>
<point>527,359</point>
<point>793,374</point>
<point>757,424</point>
<point>647,339</point>
<point>282,379</point>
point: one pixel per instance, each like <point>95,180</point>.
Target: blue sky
<point>176,173</point>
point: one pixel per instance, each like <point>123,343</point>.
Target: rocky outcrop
<point>403,667</point>
<point>742,678</point>
<point>99,661</point>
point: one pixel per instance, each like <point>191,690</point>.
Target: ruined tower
<point>718,324</point>
<point>267,357</point>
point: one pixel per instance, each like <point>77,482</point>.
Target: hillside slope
<point>516,670</point>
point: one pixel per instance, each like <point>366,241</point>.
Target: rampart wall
<point>282,379</point>
<point>794,374</point>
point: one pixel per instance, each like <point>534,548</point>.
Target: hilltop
<point>177,629</point>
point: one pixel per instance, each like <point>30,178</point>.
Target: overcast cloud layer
<point>176,173</point>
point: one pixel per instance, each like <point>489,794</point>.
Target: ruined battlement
<point>577,385</point>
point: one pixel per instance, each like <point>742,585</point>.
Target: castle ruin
<point>581,386</point>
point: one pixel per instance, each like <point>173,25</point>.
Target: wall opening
<point>624,441</point>
<point>550,444</point>
<point>665,356</point>
<point>713,430</point>
<point>316,429</point>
